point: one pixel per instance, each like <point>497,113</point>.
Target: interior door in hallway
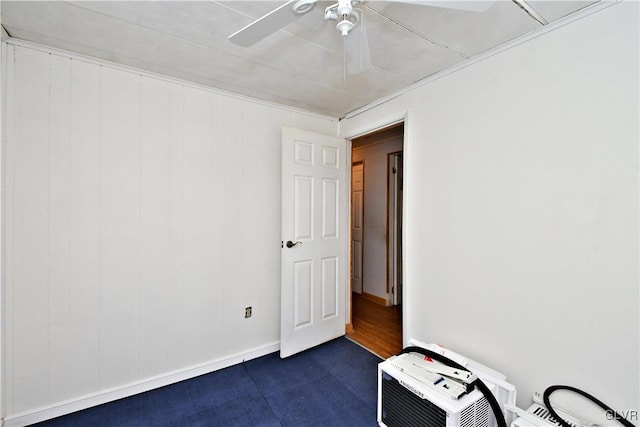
<point>357,225</point>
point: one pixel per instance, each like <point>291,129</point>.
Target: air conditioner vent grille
<point>482,412</point>
<point>476,415</point>
<point>544,413</point>
<point>402,408</point>
<point>467,416</point>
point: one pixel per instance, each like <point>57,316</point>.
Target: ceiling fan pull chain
<point>361,41</point>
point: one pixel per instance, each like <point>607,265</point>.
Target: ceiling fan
<point>350,24</point>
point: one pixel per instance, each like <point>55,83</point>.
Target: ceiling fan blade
<point>467,5</point>
<point>262,27</point>
<point>357,52</point>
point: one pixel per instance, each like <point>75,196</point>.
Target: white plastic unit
<point>539,416</point>
<point>407,398</point>
<point>404,401</point>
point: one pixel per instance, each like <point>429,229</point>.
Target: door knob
<point>291,244</point>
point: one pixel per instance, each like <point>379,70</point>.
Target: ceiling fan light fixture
<point>348,22</point>
<point>345,26</point>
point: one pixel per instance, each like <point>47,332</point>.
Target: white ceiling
<point>300,65</point>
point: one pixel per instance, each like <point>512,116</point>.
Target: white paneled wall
<point>142,215</point>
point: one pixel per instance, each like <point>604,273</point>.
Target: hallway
<point>376,327</point>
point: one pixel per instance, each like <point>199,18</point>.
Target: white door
<point>314,236</point>
<point>357,225</point>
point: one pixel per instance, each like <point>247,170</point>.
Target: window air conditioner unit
<point>539,416</point>
<point>410,396</point>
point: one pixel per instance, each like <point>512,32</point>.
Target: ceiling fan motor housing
<point>344,7</point>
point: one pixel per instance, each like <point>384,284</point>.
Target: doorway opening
<point>376,241</point>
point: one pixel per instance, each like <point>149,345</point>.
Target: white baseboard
<point>94,399</point>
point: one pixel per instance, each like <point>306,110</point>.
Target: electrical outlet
<point>247,312</point>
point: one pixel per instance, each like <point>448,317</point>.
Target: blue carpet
<point>333,384</point>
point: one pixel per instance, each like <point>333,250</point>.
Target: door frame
<point>394,185</point>
<point>367,128</point>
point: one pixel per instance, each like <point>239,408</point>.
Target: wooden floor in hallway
<point>376,327</point>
